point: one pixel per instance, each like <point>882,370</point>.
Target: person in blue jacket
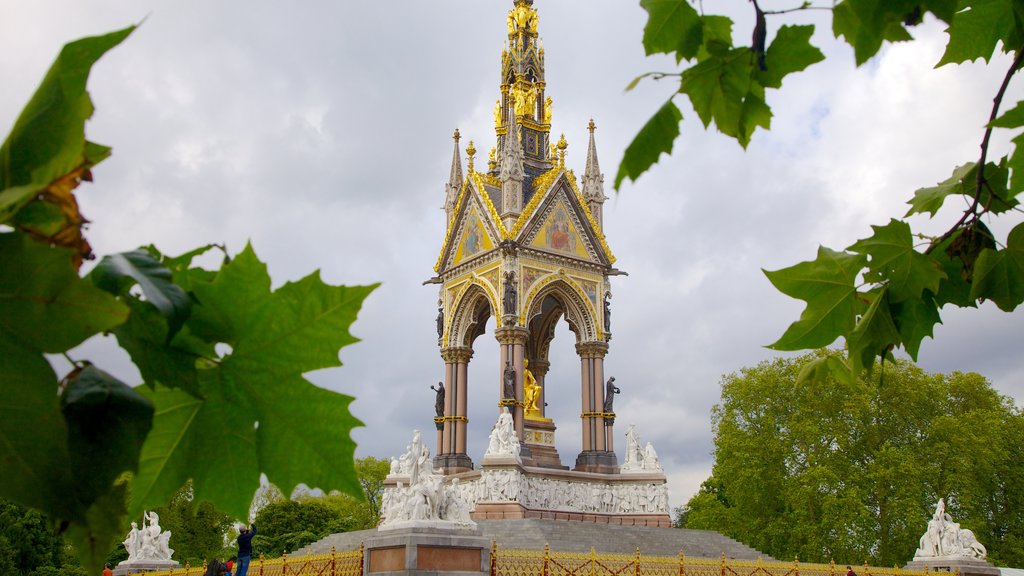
<point>245,549</point>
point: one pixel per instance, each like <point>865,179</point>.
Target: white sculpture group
<point>149,543</point>
<point>945,538</point>
<point>421,495</point>
<point>503,440</point>
<point>639,459</point>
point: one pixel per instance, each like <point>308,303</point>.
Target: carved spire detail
<point>593,179</point>
<point>454,184</point>
<point>511,172</point>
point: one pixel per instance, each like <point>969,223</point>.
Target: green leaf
<point>723,89</point>
<point>790,51</point>
<point>48,138</point>
<point>894,261</point>
<point>865,24</point>
<point>44,303</point>
<point>655,138</point>
<point>672,26</point>
<point>33,437</point>
<point>875,333</point>
<point>717,36</point>
<point>103,528</point>
<point>255,406</point>
<point>118,272</point>
<point>999,274</point>
<point>931,199</point>
<point>1015,162</point>
<point>954,288</point>
<point>978,28</point>
<point>172,364</point>
<point>827,285</point>
<point>107,424</point>
<point>915,318</point>
<point>1012,118</point>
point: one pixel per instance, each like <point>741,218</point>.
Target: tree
<point>362,513</point>
<point>198,529</point>
<point>28,545</point>
<point>71,447</point>
<point>884,291</point>
<point>851,471</point>
<point>288,525</point>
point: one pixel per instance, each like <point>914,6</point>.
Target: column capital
<point>539,367</point>
<point>453,354</point>
<point>594,349</point>
<point>511,335</point>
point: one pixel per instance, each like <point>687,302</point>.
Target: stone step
<point>562,536</point>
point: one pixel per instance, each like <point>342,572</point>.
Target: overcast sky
<point>321,132</point>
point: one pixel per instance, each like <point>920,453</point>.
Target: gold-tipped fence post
<point>333,562</point>
<point>722,569</point>
<point>547,558</point>
<point>494,558</point>
<point>796,565</point>
<point>593,561</point>
<point>284,563</point>
<point>636,564</point>
<point>682,563</point>
<point>261,564</point>
<point>833,564</point>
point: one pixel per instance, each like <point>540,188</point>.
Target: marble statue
<point>634,452</point>
<point>651,459</point>
<point>944,538</point>
<point>424,498</point>
<point>503,440</point>
<point>148,543</point>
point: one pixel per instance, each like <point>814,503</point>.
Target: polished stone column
<point>512,341</point>
<point>452,455</point>
<point>596,454</point>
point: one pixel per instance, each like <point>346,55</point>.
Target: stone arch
<point>473,306</point>
<point>575,306</point>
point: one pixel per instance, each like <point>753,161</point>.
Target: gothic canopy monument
<point>524,248</point>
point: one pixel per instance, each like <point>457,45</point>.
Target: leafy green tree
<point>29,545</point>
<point>71,447</point>
<point>288,525</point>
<point>851,471</point>
<point>198,529</point>
<point>884,291</point>
<point>362,513</point>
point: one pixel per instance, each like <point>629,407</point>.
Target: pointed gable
<point>472,231</point>
<point>557,221</point>
<point>473,239</point>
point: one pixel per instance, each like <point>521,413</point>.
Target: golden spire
<point>471,150</point>
<point>562,145</point>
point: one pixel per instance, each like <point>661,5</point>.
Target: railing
<point>509,562</point>
<point>512,562</point>
<point>331,564</point>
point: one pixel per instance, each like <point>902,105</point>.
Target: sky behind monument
<point>321,132</point>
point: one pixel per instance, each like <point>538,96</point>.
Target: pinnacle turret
<point>511,171</point>
<point>454,184</point>
<point>593,180</point>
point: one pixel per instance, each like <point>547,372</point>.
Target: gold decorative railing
<point>509,562</point>
<point>512,562</point>
<point>331,564</point>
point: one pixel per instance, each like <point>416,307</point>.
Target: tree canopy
<point>886,290</point>
<point>851,471</point>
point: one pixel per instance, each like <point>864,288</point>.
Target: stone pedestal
<point>539,435</point>
<point>427,551</point>
<point>453,463</point>
<point>966,565</point>
<point>137,566</point>
<point>598,461</point>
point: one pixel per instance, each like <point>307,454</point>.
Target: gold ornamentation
<point>531,393</point>
<point>471,150</point>
<point>588,309</point>
<point>497,113</point>
<point>562,146</point>
<point>492,164</point>
<point>548,104</point>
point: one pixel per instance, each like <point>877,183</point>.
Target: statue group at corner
<point>148,543</point>
<point>945,538</point>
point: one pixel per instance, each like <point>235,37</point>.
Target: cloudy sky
<point>321,132</point>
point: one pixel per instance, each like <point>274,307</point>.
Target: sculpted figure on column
<point>531,391</point>
<point>439,399</point>
<point>609,395</point>
<point>508,384</point>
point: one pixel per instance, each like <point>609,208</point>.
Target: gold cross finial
<point>591,126</point>
<point>456,136</point>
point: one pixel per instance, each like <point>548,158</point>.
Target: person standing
<point>245,549</point>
